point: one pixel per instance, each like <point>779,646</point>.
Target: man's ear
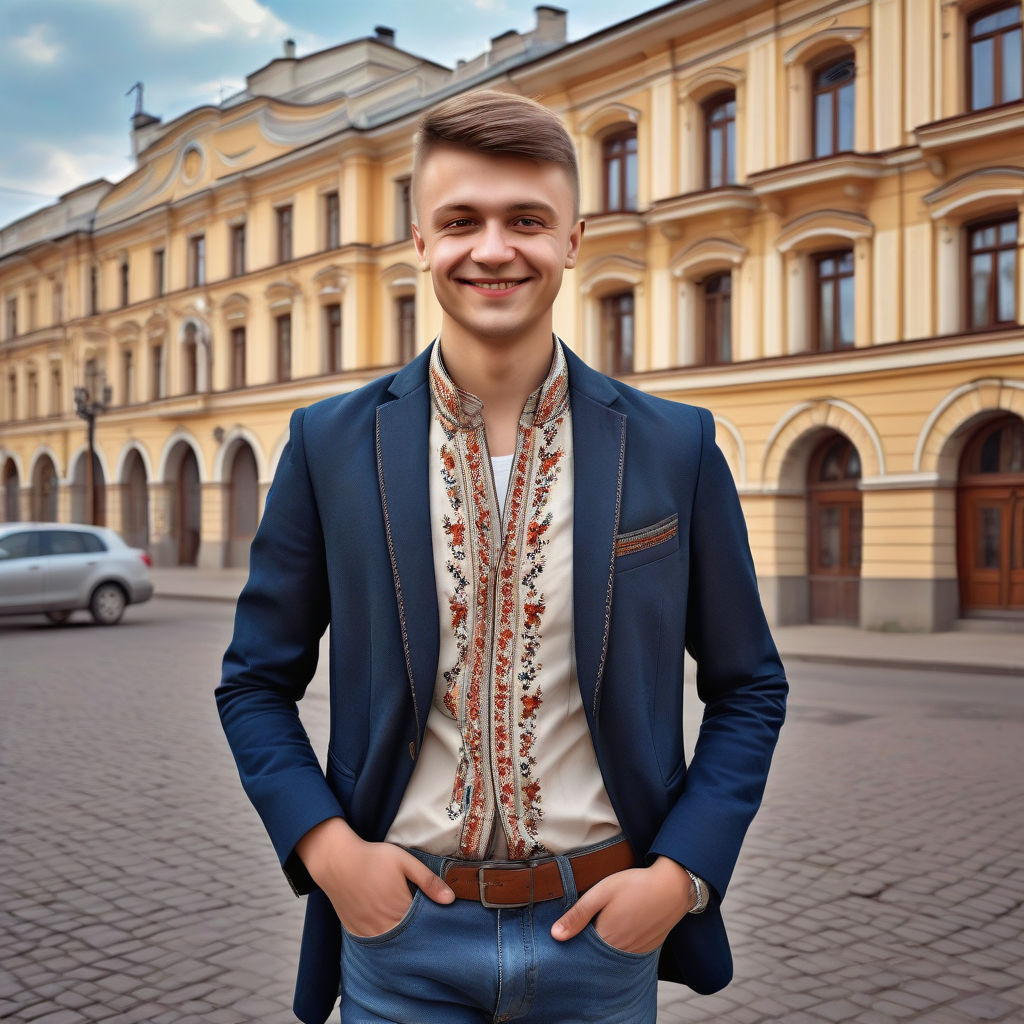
<point>421,248</point>
<point>575,239</point>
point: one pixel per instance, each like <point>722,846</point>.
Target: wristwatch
<point>699,893</point>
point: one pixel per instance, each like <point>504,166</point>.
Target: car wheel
<point>107,604</point>
<point>57,618</point>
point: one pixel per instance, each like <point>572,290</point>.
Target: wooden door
<point>835,528</point>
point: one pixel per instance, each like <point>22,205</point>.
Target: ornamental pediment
<point>211,146</point>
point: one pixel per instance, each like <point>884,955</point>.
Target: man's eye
<point>529,222</point>
<point>459,222</point>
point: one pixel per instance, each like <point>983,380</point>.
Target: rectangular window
<point>332,337</point>
<point>992,273</point>
<point>94,290</point>
<point>717,294</point>
<point>123,278</point>
<point>56,387</point>
<point>33,394</point>
<point>994,57</point>
<point>12,318</point>
<point>12,396</point>
<point>619,159</point>
<point>720,140</point>
<point>332,220</point>
<point>284,234</point>
<point>834,300</point>
<point>32,323</point>
<point>283,331</point>
<point>157,368</point>
<point>237,250</point>
<point>403,208</point>
<point>238,357</point>
<point>159,271</point>
<point>58,302</point>
<point>196,261</point>
<point>834,107</point>
<point>405,326</point>
<point>617,316</point>
<point>127,377</point>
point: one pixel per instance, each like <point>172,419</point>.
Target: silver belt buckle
<point>503,866</point>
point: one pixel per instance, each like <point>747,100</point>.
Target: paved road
<point>883,881</point>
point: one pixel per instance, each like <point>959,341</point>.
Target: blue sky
<point>66,65</point>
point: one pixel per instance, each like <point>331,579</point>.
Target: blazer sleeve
<point>740,679</point>
<point>281,615</point>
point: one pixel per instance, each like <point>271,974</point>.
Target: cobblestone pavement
<point>883,880</point>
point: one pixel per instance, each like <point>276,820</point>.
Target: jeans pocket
<point>596,939</point>
<point>392,933</point>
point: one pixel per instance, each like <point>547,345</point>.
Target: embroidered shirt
<point>507,767</point>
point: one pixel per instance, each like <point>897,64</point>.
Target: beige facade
<point>803,216</point>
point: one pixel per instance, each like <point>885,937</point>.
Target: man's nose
<point>493,246</point>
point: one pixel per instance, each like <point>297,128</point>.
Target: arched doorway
<point>990,519</point>
<point>186,505</point>
<point>44,490</point>
<point>80,512</point>
<point>834,512</point>
<point>135,502</point>
<point>12,492</point>
<point>243,505</point>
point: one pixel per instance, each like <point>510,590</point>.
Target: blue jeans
<point>465,963</point>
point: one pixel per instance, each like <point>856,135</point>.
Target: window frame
<point>405,326</point>
<point>332,337</point>
<point>817,278</point>
<point>238,340</point>
<point>283,347</point>
<point>619,147</point>
<point>620,362</point>
<point>197,260</point>
<point>721,303</point>
<point>833,61</point>
<point>237,239</point>
<point>969,228</point>
<point>332,219</point>
<point>997,56</point>
<point>709,106</point>
<point>284,231</point>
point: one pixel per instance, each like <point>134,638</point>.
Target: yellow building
<point>804,216</point>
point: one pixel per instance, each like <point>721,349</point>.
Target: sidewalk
<point>988,653</point>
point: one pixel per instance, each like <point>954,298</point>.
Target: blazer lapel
<point>402,469</point>
<point>599,446</point>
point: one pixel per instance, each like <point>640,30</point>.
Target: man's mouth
<point>494,286</point>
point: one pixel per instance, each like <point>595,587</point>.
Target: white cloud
<point>35,47</point>
<point>189,21</point>
<point>53,169</point>
<point>490,6</point>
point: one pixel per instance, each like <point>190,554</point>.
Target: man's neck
<point>502,376</point>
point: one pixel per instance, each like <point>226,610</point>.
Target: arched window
<point>832,87</point>
<point>720,139</point>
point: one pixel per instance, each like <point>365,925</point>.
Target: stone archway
<point>135,501</point>
<point>185,504</point>
<point>11,483</point>
<point>242,511</point>
<point>44,490</point>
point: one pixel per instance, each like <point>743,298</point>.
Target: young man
<point>511,551</point>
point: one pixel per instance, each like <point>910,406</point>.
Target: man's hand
<point>367,883</point>
<point>633,910</point>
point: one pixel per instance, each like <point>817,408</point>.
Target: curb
<point>907,664</point>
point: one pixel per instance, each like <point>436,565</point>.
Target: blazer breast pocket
<point>638,547</point>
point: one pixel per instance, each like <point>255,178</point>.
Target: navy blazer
<point>345,542</point>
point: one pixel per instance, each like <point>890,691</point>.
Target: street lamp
<point>88,408</point>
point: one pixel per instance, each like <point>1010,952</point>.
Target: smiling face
<point>496,234</point>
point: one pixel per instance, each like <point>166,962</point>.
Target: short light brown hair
<point>499,124</point>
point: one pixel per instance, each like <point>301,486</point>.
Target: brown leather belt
<point>510,883</point>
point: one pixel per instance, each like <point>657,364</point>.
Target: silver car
<point>58,568</point>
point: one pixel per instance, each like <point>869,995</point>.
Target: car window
<point>91,542</point>
<point>65,542</point>
<point>21,545</point>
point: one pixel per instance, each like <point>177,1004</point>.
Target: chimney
<point>551,24</point>
<point>385,35</point>
<point>289,49</point>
